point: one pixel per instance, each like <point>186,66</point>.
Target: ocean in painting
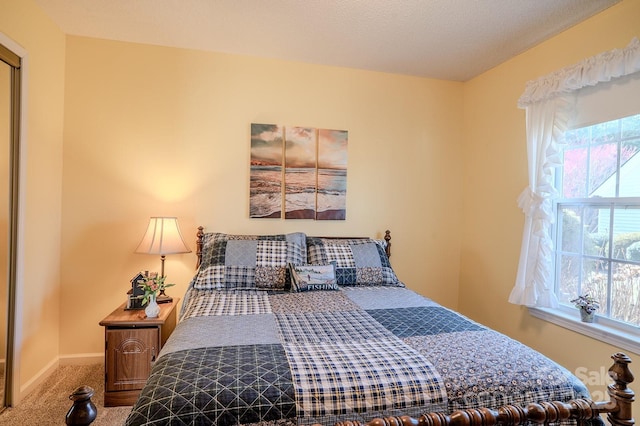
<point>300,193</point>
<point>332,194</point>
<point>265,199</point>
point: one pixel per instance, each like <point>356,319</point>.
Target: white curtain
<point>549,104</point>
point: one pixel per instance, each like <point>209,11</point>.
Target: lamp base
<point>163,298</point>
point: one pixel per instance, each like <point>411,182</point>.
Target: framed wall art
<point>298,172</point>
<point>265,194</point>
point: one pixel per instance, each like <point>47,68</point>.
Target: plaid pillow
<point>358,261</point>
<point>313,277</point>
<point>248,261</point>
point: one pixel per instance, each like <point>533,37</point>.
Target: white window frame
<point>548,102</point>
<point>614,332</point>
<point>602,328</point>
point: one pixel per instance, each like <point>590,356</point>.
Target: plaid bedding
<point>269,358</point>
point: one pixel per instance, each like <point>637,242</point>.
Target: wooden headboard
<point>200,243</point>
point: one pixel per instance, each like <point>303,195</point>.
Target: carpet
<point>49,403</point>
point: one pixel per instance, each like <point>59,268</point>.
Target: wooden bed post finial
<point>618,391</point>
<point>387,238</point>
<point>199,243</point>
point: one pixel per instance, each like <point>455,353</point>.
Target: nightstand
<point>132,343</point>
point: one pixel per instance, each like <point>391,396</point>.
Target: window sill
<point>613,336</point>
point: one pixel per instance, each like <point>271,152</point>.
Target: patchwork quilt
<point>282,358</point>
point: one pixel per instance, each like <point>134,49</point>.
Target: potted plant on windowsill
<point>587,305</point>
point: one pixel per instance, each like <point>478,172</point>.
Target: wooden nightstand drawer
<point>132,343</point>
<point>130,354</point>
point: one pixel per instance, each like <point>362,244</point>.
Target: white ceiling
<point>444,39</point>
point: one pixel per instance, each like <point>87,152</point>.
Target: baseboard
<point>36,380</point>
<point>49,369</point>
<point>82,359</point>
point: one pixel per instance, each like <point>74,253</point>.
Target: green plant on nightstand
<point>152,285</point>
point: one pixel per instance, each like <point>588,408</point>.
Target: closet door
<point>9,154</point>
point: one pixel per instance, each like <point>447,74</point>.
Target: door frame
<point>16,221</point>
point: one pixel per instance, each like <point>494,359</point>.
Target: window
<point>597,227</point>
<point>582,205</point>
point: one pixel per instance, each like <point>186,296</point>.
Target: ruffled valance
<point>588,72</point>
<point>548,101</point>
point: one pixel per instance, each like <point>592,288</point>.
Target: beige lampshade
<point>163,237</point>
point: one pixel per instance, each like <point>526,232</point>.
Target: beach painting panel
<point>332,175</point>
<point>265,199</point>
<point>300,174</point>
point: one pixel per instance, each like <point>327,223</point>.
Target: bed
<point>290,329</point>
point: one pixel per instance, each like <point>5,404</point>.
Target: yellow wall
<point>39,287</point>
<point>161,131</point>
<point>495,172</point>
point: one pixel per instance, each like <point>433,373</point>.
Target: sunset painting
<point>265,199</point>
<point>332,175</point>
<point>313,164</point>
<point>300,173</point>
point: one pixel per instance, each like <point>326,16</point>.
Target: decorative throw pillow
<point>249,261</point>
<point>359,261</point>
<point>313,277</point>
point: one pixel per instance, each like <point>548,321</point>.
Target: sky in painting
<point>332,149</point>
<point>266,144</point>
<point>301,147</point>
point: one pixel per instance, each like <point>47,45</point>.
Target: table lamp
<point>163,237</point>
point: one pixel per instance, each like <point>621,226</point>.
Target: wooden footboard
<point>618,408</point>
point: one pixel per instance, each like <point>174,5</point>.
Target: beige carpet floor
<point>49,403</point>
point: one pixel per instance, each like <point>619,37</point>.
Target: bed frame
<point>618,409</point>
<point>200,243</point>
